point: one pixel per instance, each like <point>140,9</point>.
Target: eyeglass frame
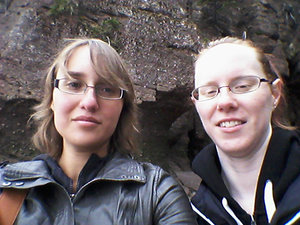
<point>56,82</point>
<point>228,86</point>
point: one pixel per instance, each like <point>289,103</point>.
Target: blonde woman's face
<point>237,123</point>
<point>86,122</point>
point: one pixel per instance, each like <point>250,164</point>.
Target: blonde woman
<point>251,172</point>
<point>86,127</point>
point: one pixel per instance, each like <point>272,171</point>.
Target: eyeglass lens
<point>239,85</point>
<point>73,86</point>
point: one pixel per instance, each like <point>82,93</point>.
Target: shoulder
<point>289,204</point>
<point>163,185</point>
<point>123,161</point>
<point>152,169</point>
<point>25,173</point>
<point>207,154</point>
<point>33,166</point>
<point>291,194</point>
<point>124,168</point>
<point>287,136</point>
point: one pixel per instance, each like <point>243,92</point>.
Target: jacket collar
<point>281,163</point>
<point>122,168</point>
<point>35,173</point>
<point>207,165</point>
<point>24,175</point>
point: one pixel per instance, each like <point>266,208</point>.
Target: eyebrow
<point>208,83</point>
<point>75,74</point>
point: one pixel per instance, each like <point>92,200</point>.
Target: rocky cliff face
<point>159,40</point>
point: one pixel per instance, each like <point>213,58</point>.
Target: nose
<point>89,100</point>
<point>226,100</point>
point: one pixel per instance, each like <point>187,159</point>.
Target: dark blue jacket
<point>279,177</point>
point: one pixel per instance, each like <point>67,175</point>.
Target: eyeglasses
<point>240,85</point>
<point>78,87</point>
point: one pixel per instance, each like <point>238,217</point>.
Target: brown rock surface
<point>159,40</point>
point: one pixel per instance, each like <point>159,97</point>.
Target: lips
<point>86,119</point>
<point>230,123</point>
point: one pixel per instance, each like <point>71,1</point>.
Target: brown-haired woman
<point>251,172</point>
<point>86,127</point>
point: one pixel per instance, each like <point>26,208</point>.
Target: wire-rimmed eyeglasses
<point>79,87</point>
<point>239,85</point>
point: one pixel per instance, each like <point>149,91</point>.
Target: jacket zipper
<point>72,196</point>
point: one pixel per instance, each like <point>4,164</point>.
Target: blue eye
<point>208,91</point>
<point>101,88</point>
<point>74,85</point>
<point>244,84</point>
<point>107,89</point>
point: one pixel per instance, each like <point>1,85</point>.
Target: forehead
<point>79,56</point>
<point>77,63</point>
<point>227,61</point>
<point>85,62</point>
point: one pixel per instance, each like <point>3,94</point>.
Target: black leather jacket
<point>123,192</point>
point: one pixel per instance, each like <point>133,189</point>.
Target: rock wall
<point>159,40</point>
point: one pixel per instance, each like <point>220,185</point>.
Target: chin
<point>231,146</point>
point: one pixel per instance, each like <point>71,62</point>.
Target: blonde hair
<point>279,115</point>
<point>110,67</point>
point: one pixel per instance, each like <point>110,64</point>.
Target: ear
<point>276,90</point>
<point>51,106</point>
<point>193,100</point>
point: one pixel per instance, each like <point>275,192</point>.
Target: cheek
<point>61,100</point>
<point>112,110</point>
<point>60,115</point>
<point>204,113</point>
<point>61,106</point>
<point>203,110</point>
<point>118,111</point>
<point>263,104</point>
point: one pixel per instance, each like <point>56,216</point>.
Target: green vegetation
<point>87,24</point>
<point>108,30</point>
<point>110,26</point>
<point>64,6</point>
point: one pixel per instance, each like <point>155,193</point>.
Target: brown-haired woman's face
<point>85,121</point>
<point>238,123</point>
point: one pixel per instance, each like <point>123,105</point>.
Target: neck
<point>240,175</point>
<point>73,160</point>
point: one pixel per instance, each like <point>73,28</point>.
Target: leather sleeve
<point>172,205</point>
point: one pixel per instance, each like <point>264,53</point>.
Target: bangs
<point>108,65</point>
<point>105,61</point>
